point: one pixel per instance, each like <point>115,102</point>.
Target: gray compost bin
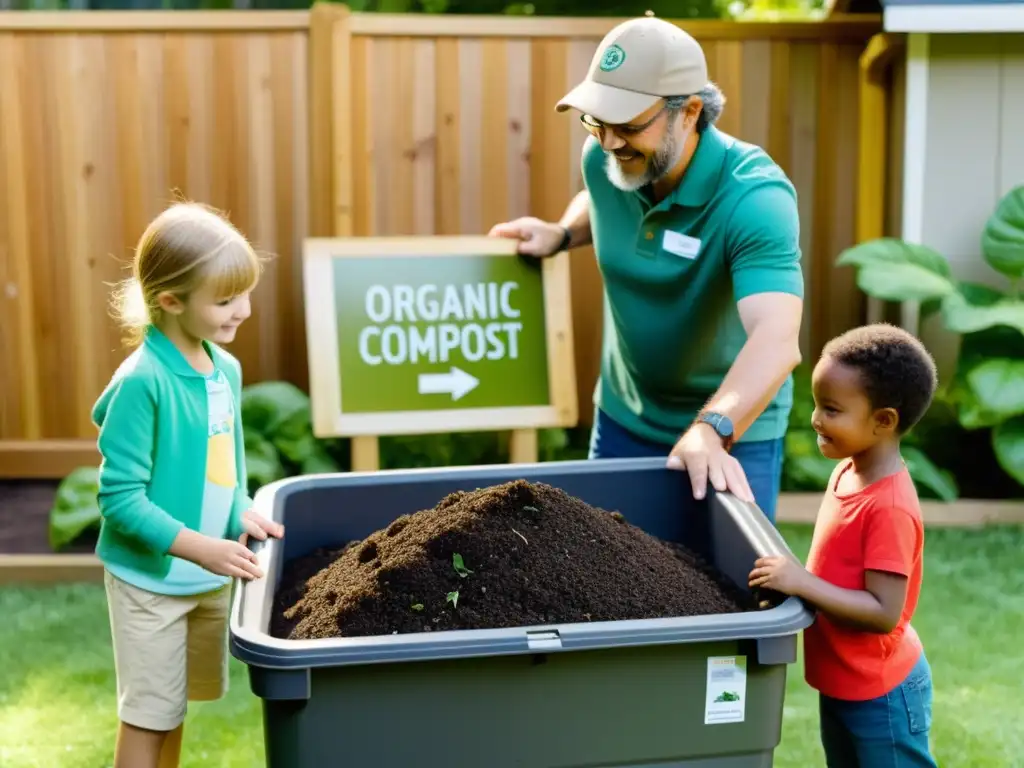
<point>612,694</point>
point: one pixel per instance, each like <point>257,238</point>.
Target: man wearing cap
<point>697,238</point>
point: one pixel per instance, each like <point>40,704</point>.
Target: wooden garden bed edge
<point>793,508</point>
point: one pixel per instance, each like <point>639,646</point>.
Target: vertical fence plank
<point>846,305</point>
<point>21,395</point>
<point>49,234</point>
<point>519,76</point>
<point>757,78</point>
<point>825,177</point>
<point>363,145</point>
<point>728,71</point>
<point>802,144</point>
<point>472,143</point>
<point>73,277</point>
<point>391,202</point>
<point>321,120</point>
<point>549,146</point>
<point>494,160</point>
<point>424,142</point>
<point>446,188</point>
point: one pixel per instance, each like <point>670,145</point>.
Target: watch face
<point>722,424</point>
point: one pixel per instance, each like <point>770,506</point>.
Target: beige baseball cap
<point>638,62</point>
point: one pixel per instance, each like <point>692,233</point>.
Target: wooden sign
<point>414,335</point>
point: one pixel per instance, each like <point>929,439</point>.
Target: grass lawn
<point>57,693</point>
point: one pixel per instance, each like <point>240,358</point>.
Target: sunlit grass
<point>57,686</point>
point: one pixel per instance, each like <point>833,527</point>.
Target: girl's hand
<point>259,527</point>
<point>229,558</point>
<point>221,556</point>
<point>779,573</point>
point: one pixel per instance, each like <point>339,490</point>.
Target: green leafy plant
<point>75,509</point>
<point>987,388</point>
<point>279,440</point>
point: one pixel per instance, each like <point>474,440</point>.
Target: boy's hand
<point>778,573</point>
<point>259,527</point>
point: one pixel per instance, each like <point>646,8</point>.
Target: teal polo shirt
<point>673,273</point>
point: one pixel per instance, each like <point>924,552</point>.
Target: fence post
<point>873,145</point>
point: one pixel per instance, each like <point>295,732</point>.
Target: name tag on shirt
<point>680,244</point>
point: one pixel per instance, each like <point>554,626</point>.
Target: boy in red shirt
<point>863,572</point>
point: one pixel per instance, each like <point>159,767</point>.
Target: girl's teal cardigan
<point>152,420</point>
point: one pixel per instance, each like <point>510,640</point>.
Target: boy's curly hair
<point>895,368</point>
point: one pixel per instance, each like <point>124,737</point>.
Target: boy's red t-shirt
<point>877,528</point>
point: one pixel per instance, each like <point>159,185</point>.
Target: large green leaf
<point>925,474</point>
<point>1008,444</point>
<point>266,405</point>
<point>279,412</point>
<point>970,412</point>
<point>998,385</point>
<point>76,508</point>
<point>1002,241</point>
<point>804,466</point>
<point>894,270</point>
<point>962,316</point>
<point>319,462</point>
<point>262,461</point>
<point>803,397</point>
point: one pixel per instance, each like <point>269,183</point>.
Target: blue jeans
<point>761,460</point>
<point>888,732</point>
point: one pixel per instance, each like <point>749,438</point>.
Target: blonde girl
<point>172,482</point>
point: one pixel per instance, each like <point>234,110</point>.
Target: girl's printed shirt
<point>184,577</point>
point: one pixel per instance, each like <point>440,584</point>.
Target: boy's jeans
<point>888,732</point>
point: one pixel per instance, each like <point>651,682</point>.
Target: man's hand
<point>536,238</point>
<point>258,527</point>
<point>779,573</point>
<point>700,453</point>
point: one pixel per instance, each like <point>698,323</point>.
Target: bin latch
<point>543,640</point>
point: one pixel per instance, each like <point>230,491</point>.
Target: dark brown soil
<point>530,554</point>
<point>25,518</point>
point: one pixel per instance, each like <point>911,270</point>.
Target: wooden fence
<point>325,123</point>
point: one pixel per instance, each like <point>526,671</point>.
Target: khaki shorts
<point>168,650</point>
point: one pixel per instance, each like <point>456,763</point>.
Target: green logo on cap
<point>612,58</point>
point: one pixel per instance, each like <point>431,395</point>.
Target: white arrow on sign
<point>456,383</point>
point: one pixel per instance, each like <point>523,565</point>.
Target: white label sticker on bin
<point>727,690</point>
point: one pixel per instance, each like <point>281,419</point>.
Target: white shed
<point>950,87</point>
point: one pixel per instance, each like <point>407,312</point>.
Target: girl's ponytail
<point>128,305</point>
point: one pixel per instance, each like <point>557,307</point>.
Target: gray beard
<point>661,162</point>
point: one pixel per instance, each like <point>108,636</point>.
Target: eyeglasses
<point>597,128</point>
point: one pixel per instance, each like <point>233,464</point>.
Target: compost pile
<point>505,556</point>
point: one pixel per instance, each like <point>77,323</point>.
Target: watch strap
<point>566,240</point>
<point>714,420</point>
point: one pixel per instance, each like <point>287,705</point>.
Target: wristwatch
<point>566,240</point>
<point>721,424</point>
